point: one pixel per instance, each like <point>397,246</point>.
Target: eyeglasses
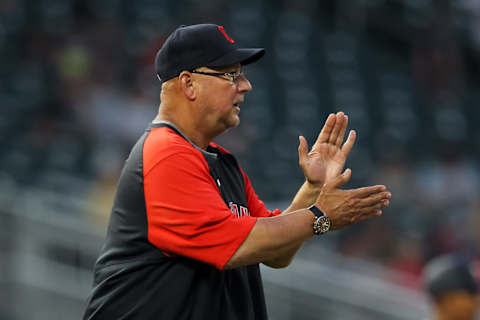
<point>234,76</point>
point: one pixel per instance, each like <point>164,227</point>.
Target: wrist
<point>314,187</point>
<point>321,223</point>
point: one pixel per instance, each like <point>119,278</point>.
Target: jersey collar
<point>159,124</point>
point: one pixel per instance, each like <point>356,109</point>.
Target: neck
<point>185,123</point>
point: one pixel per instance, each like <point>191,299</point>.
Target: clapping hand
<point>326,159</point>
<point>323,166</point>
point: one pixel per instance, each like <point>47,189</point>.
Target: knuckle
<point>351,203</point>
<point>350,196</point>
<point>369,212</point>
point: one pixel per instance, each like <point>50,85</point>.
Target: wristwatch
<point>322,222</point>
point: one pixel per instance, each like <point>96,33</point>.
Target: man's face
<point>220,97</point>
<point>458,305</point>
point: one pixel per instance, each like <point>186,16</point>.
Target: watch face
<point>324,224</point>
<point>321,225</point>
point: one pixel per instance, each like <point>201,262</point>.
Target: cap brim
<point>242,56</point>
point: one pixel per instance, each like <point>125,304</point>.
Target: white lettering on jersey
<point>239,213</point>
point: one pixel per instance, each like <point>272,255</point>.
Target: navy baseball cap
<point>449,273</point>
<point>200,45</point>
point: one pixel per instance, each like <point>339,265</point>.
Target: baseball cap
<point>200,45</point>
<point>449,273</point>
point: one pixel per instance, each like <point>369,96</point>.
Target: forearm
<point>285,257</point>
<point>305,197</point>
<point>274,240</point>
<point>271,238</point>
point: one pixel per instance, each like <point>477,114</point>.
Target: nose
<point>243,85</point>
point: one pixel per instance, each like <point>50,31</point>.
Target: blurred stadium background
<point>77,88</point>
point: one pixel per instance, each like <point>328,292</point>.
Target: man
<point>187,230</point>
<point>452,287</point>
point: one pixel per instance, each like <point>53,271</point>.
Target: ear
<point>187,85</point>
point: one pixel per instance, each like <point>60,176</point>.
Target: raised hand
<point>345,207</point>
<point>326,159</point>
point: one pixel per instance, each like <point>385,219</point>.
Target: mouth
<point>237,104</point>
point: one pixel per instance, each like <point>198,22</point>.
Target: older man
<point>187,230</point>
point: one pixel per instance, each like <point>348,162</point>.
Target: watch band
<point>316,211</point>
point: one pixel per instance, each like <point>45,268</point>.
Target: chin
<point>236,122</point>
<point>233,121</point>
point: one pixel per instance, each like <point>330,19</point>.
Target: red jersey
<point>179,214</point>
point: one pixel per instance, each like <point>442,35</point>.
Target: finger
<point>374,208</point>
<point>348,145</point>
<point>343,129</point>
<point>340,119</point>
<point>327,129</point>
<point>363,214</point>
<point>380,199</point>
<point>302,150</point>
<point>340,180</point>
<point>367,191</point>
<point>368,214</point>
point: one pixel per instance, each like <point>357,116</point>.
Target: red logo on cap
<point>225,34</point>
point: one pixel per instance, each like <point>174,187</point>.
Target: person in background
<point>452,287</point>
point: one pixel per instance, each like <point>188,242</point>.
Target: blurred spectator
<point>437,62</point>
<point>407,258</point>
<point>472,8</point>
<point>452,287</point>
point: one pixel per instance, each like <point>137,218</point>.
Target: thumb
<point>302,149</point>
<point>340,180</point>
